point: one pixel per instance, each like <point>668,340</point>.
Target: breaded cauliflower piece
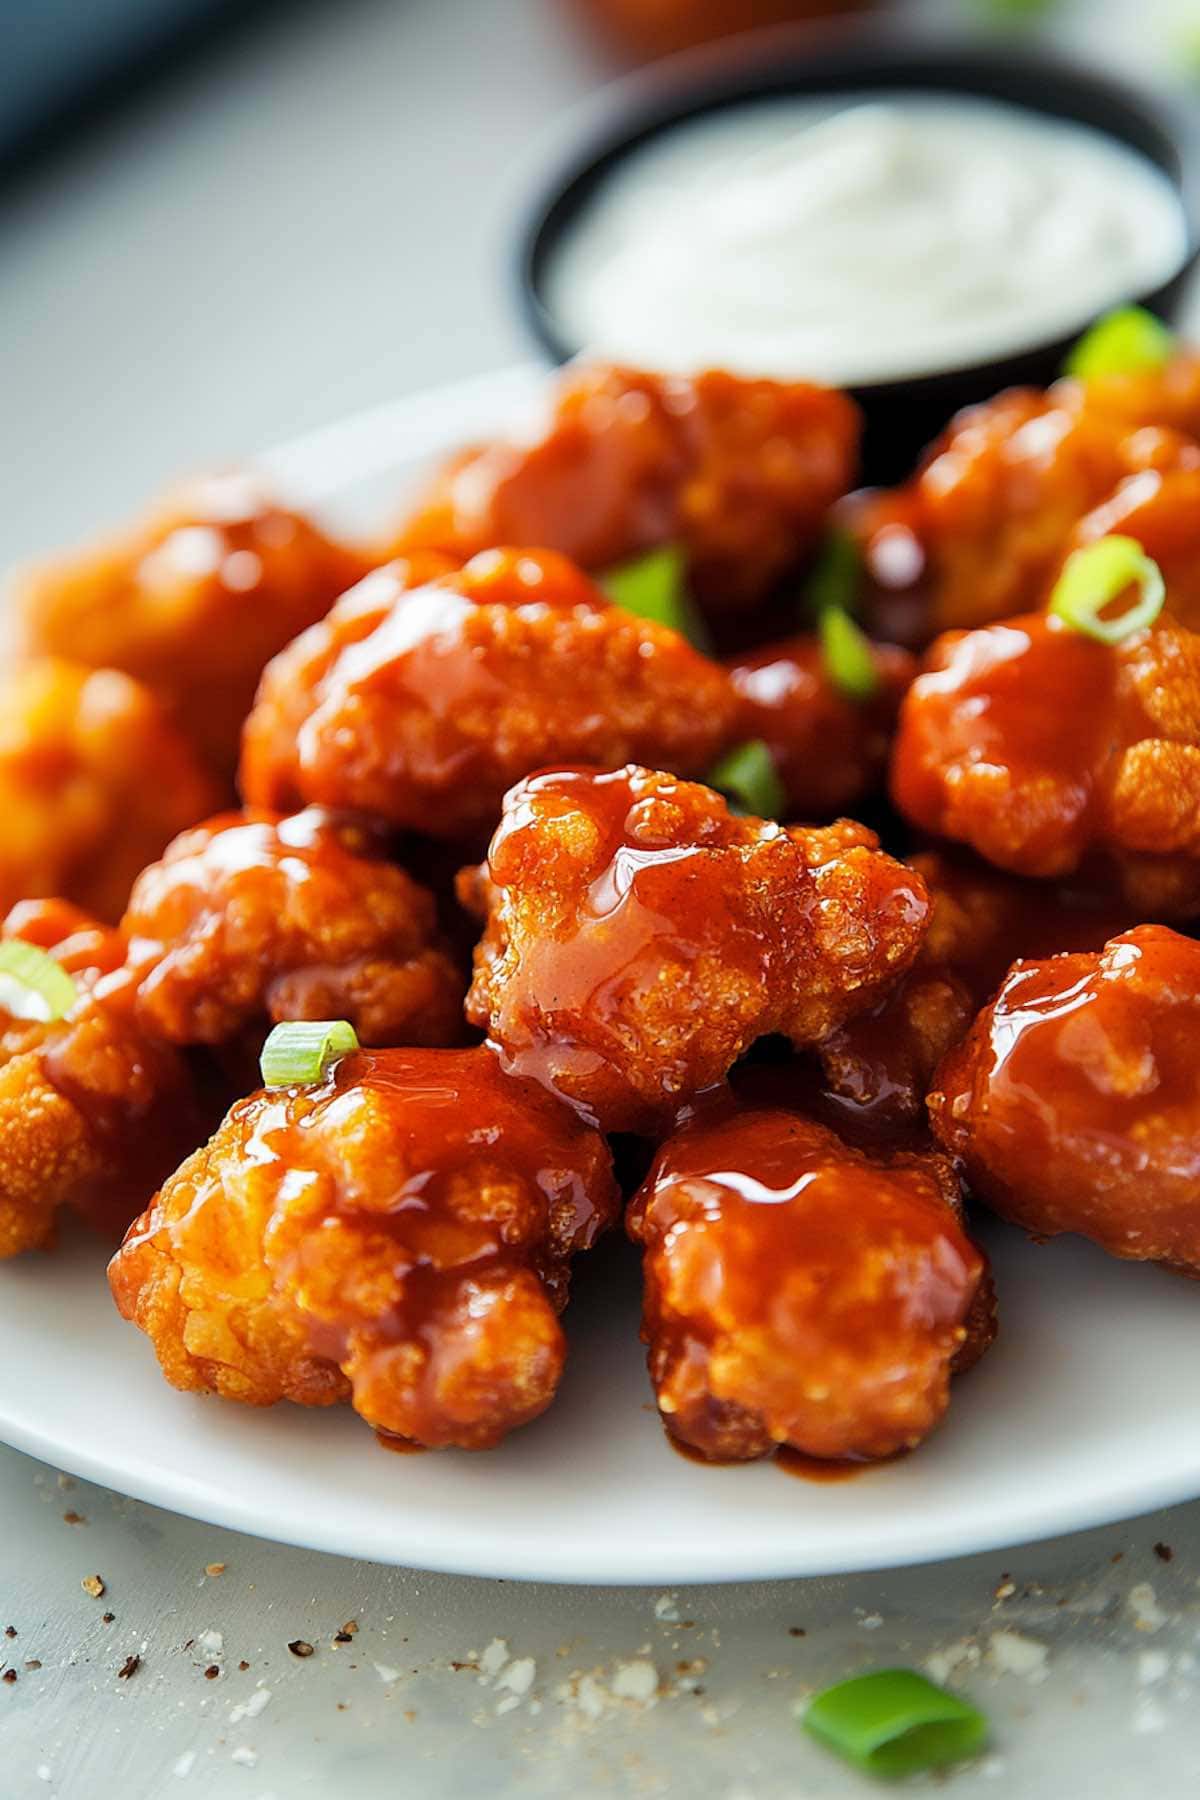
<point>640,937</point>
<point>1161,510</point>
<point>740,473</point>
<point>460,687</point>
<point>93,1113</point>
<point>94,780</point>
<point>1049,752</point>
<point>399,1234</point>
<point>800,1292</point>
<point>192,600</point>
<point>830,749</point>
<point>1074,1104</point>
<point>252,918</point>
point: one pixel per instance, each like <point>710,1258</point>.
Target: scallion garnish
<point>1128,341</point>
<point>894,1723</point>
<point>847,654</point>
<point>38,973</point>
<point>654,587</point>
<point>302,1051</point>
<point>836,574</point>
<point>1094,577</point>
<point>747,776</point>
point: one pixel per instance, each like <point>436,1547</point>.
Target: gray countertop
<point>284,232</point>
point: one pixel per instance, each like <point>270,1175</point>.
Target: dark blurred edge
<point>66,64</point>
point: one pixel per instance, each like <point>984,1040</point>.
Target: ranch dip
<point>860,238</point>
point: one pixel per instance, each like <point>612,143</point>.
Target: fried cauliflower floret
<point>830,749</point>
<point>1049,752</point>
<point>740,473</point>
<point>980,529</point>
<point>399,1235</point>
<point>253,918</point>
<point>94,780</point>
<point>92,1112</point>
<point>640,937</point>
<point>462,686</point>
<point>1162,512</point>
<point>193,600</point>
<point>1074,1104</point>
<point>799,1292</point>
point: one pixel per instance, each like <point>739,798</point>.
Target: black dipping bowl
<point>902,415</point>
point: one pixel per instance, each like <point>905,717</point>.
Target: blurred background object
<point>640,30</point>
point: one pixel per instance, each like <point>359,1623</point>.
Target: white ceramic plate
<point>1087,1409</point>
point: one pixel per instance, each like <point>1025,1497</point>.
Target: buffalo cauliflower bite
<point>739,473</point>
<point>640,937</point>
<point>253,918</point>
<point>399,1234</point>
<point>829,749</point>
<point>193,600</point>
<point>460,687</point>
<point>1049,752</point>
<point>94,780</point>
<point>93,1112</point>
<point>800,1292</point>
<point>980,529</point>
<point>1162,512</point>
<point>1074,1103</point>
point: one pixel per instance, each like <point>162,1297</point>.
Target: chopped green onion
<point>39,974</point>
<point>847,654</point>
<point>836,575</point>
<point>1128,341</point>
<point>1094,577</point>
<point>654,587</point>
<point>302,1051</point>
<point>894,1722</point>
<point>747,776</point>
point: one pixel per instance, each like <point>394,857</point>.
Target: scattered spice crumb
<point>107,1618</point>
<point>519,1676</point>
<point>74,1518</point>
<point>349,1628</point>
<point>243,1666</point>
<point>34,1662</point>
<point>300,1647</point>
<point>342,1637</point>
<point>1117,1556</point>
<point>637,1680</point>
<point>93,1585</point>
<point>211,1673</point>
<point>10,1631</point>
<point>129,1668</point>
<point>797,1631</point>
<point>1004,1589</point>
<point>1011,1653</point>
<point>9,1675</point>
<point>214,1568</point>
<point>1163,1552</point>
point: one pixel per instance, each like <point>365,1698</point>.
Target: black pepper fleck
<point>299,1647</point>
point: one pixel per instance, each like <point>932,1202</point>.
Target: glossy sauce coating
<point>640,937</point>
<point>799,1292</point>
<point>253,918</point>
<point>399,1234</point>
<point>93,1112</point>
<point>1074,1104</point>
<point>739,472</point>
<point>461,687</point>
<point>81,814</point>
<point>830,750</point>
<point>1049,752</point>
<point>1162,511</point>
<point>192,600</point>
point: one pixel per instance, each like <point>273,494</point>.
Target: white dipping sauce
<point>858,239</point>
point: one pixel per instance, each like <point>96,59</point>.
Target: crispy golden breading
<point>1162,511</point>
<point>253,917</point>
<point>193,600</point>
<point>93,1113</point>
<point>400,1233</point>
<point>799,1292</point>
<point>640,937</point>
<point>94,780</point>
<point>1049,752</point>
<point>740,473</point>
<point>1074,1104</point>
<point>460,687</point>
<point>829,749</point>
<point>982,526</point>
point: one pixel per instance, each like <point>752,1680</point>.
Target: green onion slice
<point>39,974</point>
<point>847,654</point>
<point>836,574</point>
<point>302,1051</point>
<point>1128,341</point>
<point>894,1723</point>
<point>1095,576</point>
<point>654,587</point>
<point>747,776</point>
